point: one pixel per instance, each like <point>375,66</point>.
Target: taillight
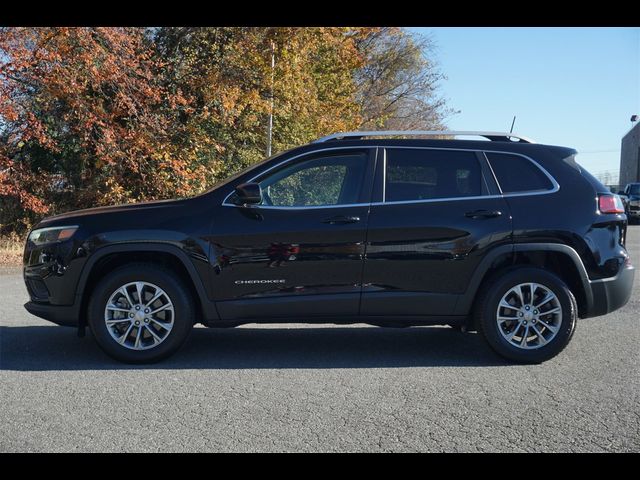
<point>610,204</point>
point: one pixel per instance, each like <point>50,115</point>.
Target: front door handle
<point>341,220</point>
<point>483,214</point>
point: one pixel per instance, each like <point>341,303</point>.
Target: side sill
<point>376,320</point>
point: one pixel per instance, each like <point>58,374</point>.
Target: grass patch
<point>11,248</point>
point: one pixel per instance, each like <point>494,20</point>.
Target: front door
<point>435,213</point>
<point>299,253</point>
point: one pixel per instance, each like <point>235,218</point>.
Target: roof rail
<point>493,136</point>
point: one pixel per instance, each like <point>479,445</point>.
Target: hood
<point>79,215</point>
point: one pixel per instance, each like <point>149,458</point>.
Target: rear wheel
<point>527,315</point>
<point>140,313</point>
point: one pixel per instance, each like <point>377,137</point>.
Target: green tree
<point>227,74</point>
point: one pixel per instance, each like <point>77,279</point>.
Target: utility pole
<point>270,127</point>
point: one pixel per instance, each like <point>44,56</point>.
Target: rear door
<point>298,254</point>
<point>435,214</point>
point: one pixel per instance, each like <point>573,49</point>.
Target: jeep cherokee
<point>500,235</point>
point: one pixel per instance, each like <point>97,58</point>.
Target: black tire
<point>487,305</point>
<point>179,297</point>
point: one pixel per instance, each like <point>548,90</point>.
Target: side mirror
<point>248,194</point>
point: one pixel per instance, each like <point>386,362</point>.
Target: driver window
<point>327,180</point>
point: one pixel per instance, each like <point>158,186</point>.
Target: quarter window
<point>517,174</point>
<point>420,174</point>
<point>327,180</point>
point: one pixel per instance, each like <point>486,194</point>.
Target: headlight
<point>41,236</point>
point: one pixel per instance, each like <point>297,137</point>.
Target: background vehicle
<point>506,236</point>
<point>631,198</point>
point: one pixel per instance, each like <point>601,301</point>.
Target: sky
<point>576,87</point>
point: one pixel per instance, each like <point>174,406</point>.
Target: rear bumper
<point>610,294</point>
<point>66,316</point>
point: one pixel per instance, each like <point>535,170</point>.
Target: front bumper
<point>66,316</point>
<point>633,209</point>
<point>51,274</point>
<point>610,294</point>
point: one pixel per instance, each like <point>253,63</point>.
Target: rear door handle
<point>483,214</point>
<point>341,220</point>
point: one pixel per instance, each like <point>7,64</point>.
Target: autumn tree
<point>95,116</point>
<point>324,80</point>
<point>228,75</point>
<point>85,120</point>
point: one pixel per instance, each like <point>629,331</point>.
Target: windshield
<point>634,189</point>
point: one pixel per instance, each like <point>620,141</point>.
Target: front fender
<point>208,307</point>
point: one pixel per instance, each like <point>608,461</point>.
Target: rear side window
<point>415,174</point>
<point>517,174</point>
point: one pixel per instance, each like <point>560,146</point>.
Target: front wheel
<point>140,313</point>
<point>527,315</point>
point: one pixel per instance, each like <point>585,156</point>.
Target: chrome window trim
<point>433,200</point>
<point>556,186</point>
<point>493,174</point>
<point>384,175</point>
<point>284,162</point>
<point>384,178</point>
<point>554,183</point>
<point>306,207</point>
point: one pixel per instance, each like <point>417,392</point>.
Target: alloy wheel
<point>529,316</point>
<point>139,315</point>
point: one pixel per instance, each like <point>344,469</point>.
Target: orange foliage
<point>88,103</point>
<point>94,115</point>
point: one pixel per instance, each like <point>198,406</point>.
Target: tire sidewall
<point>499,288</point>
<point>179,296</point>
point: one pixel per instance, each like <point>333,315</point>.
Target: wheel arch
<point>560,259</point>
<point>111,257</point>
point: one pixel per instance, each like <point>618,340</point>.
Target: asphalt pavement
<point>318,388</point>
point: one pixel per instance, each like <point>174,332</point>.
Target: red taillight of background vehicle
<point>610,204</point>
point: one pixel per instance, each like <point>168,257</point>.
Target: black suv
<point>508,237</point>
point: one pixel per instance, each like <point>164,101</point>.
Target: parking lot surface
<point>318,388</point>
